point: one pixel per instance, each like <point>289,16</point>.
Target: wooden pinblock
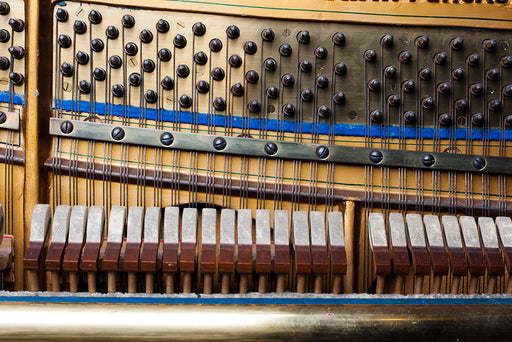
<point>458,259</point>
<point>77,223</point>
<point>417,244</point>
<point>398,242</point>
<point>379,244</point>
<point>149,248</point>
<point>134,225</point>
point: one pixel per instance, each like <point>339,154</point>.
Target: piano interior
<point>214,170</point>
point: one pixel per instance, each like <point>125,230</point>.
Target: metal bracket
<point>9,120</point>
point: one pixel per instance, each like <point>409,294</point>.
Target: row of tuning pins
<point>443,88</point>
<point>16,52</point>
<point>200,58</point>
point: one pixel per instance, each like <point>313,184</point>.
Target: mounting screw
<point>322,152</point>
<point>117,133</point>
<point>271,148</point>
<point>376,157</point>
<point>428,160</point>
<point>479,163</point>
<point>66,127</point>
<point>219,143</point>
<point>3,117</point>
<point>166,139</point>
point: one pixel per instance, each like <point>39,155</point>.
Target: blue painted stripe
<point>397,300</point>
<point>340,129</point>
<point>16,99</point>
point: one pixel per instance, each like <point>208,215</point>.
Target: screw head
<point>219,143</point>
<point>166,139</point>
<point>490,45</point>
<point>288,80</point>
<point>97,45</point>
<point>479,163</point>
<point>16,78</point>
<point>506,62</point>
<point>507,90</point>
<point>117,133</point>
<point>508,120</point>
<point>428,160</point>
<point>5,36</point>
<point>3,118</point>
<point>66,127</point>
<point>4,63</point>
<point>118,90</point>
<point>493,74</point>
<point>271,148</point>
<point>376,157</point>
<point>16,51</point>
<point>322,152</point>
<point>66,69</point>
<point>373,84</point>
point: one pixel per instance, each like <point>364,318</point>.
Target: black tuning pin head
<point>508,120</point>
<point>376,116</point>
<point>128,21</point>
<point>254,107</point>
<point>82,58</point>
<point>476,89</point>
<point>18,25</point>
<point>444,88</point>
<point>306,66</point>
<point>219,104</point>
<point>218,74</point>
<point>79,27</point>
<point>288,110</point>
<point>115,62</point>
<point>201,58</point>
<point>457,43</point>
<point>324,112</point>
<point>131,49</point>
<point>321,52</point>
<point>507,90</point>
<point>185,101</point>
<point>95,17</point>
<point>4,63</point>
<point>339,98</point>
<point>237,90</point>
<point>235,61</point>
<point>410,117</point>
<point>445,119</point>
<point>408,86</point>
<point>84,87</point>
<point>473,59</point>
<point>273,92</point>
<point>16,78</point>
<point>306,95</point>
<point>252,76</point>
<point>268,35</point>
<point>233,32</point>
<point>180,41</point>
<point>390,71</point>
<point>494,105</point>
<point>215,45</point>
<point>182,71</point>
<point>162,26</point>
<point>112,32</point>
<point>370,56</point>
<point>477,119</point>
<point>387,41</point>
<point>97,45</point>
<point>458,74</point>
<point>440,58</point>
<point>4,8</point>
<point>164,55</point>
<point>506,62</point>
<point>4,36</point>
<point>66,69</point>
<point>250,48</point>
<point>493,74</point>
<point>61,15</point>
<point>199,29</point>
<point>270,64</point>
<point>405,57</point>
<point>134,79</point>
<point>167,83</point>
<point>17,52</point>
<point>148,65</point>
<point>202,87</point>
<point>64,41</point>
<point>422,42</point>
<point>427,103</point>
<point>374,84</point>
<point>340,69</point>
<point>99,74</point>
<point>322,82</point>
<point>303,37</point>
<point>461,105</point>
<point>338,39</point>
<point>146,36</point>
<point>285,50</point>
<point>288,80</point>
<point>150,96</point>
<point>489,45</point>
<point>118,90</point>
<point>393,100</point>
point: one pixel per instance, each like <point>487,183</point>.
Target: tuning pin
<point>285,50</point>
<point>61,14</point>
<point>219,104</point>
<point>306,95</point>
<point>270,64</point>
<point>4,63</point>
<point>321,52</point>
<point>272,92</point>
<point>376,116</point>
<point>410,117</point>
<point>128,21</point>
<point>164,55</point>
<point>250,48</point>
<point>84,87</point>
<point>268,35</point>
<point>370,56</point>
<point>338,39</point>
<point>237,89</point>
<point>340,69</point>
<point>115,62</point>
<point>473,59</point>
<point>461,105</point>
<point>233,32</point>
<point>79,27</point>
<point>4,8</point>
<point>507,90</point>
<point>390,71</point>
<point>134,79</point>
<point>182,71</point>
<point>387,41</point>
<point>493,74</point>
<point>339,98</point>
<point>167,83</point>
<point>477,119</point>
<point>254,106</point>
<point>185,101</point>
<point>95,17</point>
<point>445,119</point>
<point>148,65</point>
<point>252,76</point>
<point>82,58</point>
<point>288,80</point>
<point>322,82</point>
<point>440,58</point>
<point>306,66</point>
<point>303,37</point>
<point>422,42</point>
<point>17,24</point>
<point>199,29</point>
<point>373,84</point>
<point>494,105</point>
<point>16,78</point>
<point>289,110</point>
<point>324,112</point>
<point>408,86</point>
<point>489,45</point>
<point>66,69</point>
<point>202,87</point>
<point>506,62</point>
<point>458,74</point>
<point>17,52</point>
<point>405,57</point>
<point>457,43</point>
<point>218,74</point>
<point>4,36</point>
<point>444,88</point>
<point>146,36</point>
<point>393,100</point>
<point>112,32</point>
<point>131,49</point>
<point>150,96</point>
<point>118,90</point>
<point>99,74</point>
<point>64,41</point>
<point>180,41</point>
<point>476,89</point>
<point>97,45</point>
<point>215,45</point>
<point>427,103</point>
<point>235,61</point>
<point>201,58</point>
<point>508,120</point>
